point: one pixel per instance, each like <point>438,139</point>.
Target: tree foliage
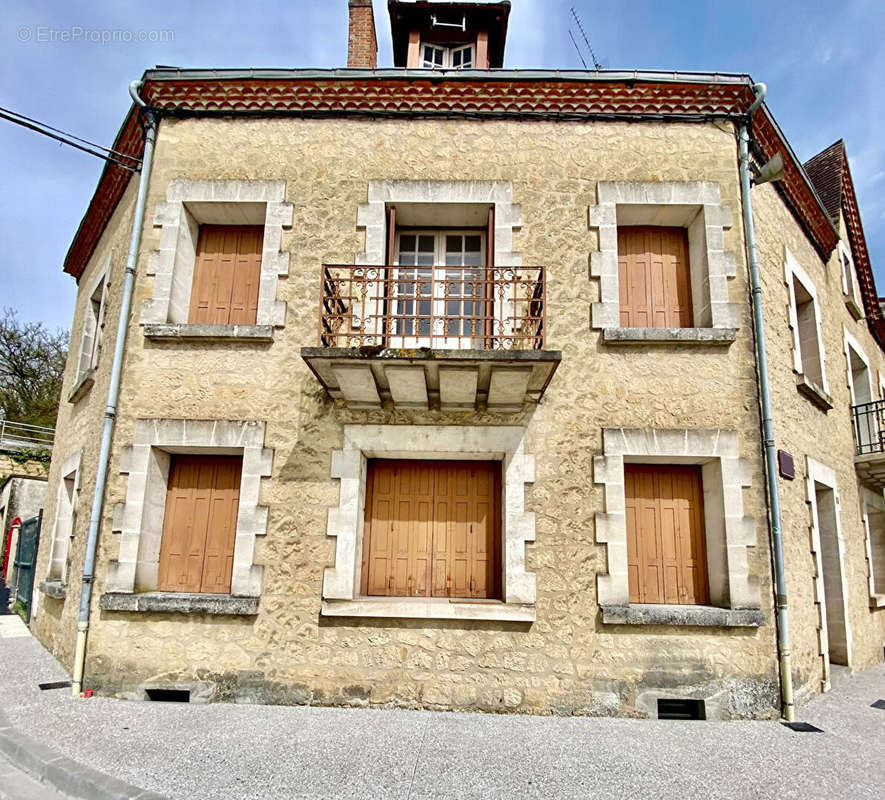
<point>32,362</point>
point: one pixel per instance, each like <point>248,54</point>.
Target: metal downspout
<point>113,390</point>
<point>783,617</point>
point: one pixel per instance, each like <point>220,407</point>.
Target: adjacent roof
<point>825,172</point>
<point>415,15</point>
<point>830,173</point>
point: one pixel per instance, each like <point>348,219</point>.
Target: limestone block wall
<point>826,437</point>
<point>567,661</point>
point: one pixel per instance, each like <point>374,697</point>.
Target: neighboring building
<point>440,390</point>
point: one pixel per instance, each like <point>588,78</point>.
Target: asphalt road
<point>242,751</point>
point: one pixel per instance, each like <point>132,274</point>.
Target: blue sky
<point>823,63</point>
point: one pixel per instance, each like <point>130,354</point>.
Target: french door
<point>440,290</point>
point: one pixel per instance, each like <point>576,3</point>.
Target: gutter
<point>110,413</point>
<point>425,75</point>
<point>777,545</point>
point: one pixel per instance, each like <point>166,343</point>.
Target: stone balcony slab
<point>500,381</point>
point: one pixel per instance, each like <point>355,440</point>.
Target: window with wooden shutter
<point>226,275</point>
<point>666,546</point>
<point>654,277</point>
<point>200,523</point>
<point>432,529</point>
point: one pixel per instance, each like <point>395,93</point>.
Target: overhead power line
<point>69,139</point>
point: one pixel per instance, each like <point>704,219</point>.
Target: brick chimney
<point>362,44</point>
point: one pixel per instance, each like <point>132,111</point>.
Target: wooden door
<point>227,271</point>
<point>666,546</point>
<point>432,528</point>
<point>654,277</point>
<point>199,526</point>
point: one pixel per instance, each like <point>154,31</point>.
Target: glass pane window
<point>462,57</point>
<point>434,57</point>
<point>440,289</point>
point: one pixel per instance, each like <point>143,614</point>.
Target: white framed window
<point>343,584</point>
<point>874,528</point>
<point>434,56</point>
<point>440,288</point>
<point>868,424</point>
<point>809,358</point>
<point>149,463</point>
<point>725,531</point>
<point>850,288</point>
<point>93,322</point>
<point>692,209</point>
<point>195,206</point>
<point>65,518</point>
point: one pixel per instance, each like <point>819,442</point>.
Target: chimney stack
<point>362,44</point>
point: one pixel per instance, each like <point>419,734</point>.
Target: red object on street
<point>87,693</point>
<point>16,523</point>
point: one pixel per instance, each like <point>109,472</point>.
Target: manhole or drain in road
<point>55,685</point>
<point>801,727</point>
<point>879,704</point>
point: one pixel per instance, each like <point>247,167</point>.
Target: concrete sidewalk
<point>237,751</point>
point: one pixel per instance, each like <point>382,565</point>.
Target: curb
<point>62,773</point>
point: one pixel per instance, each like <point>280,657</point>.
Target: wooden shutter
<point>431,529</point>
<point>666,546</point>
<point>654,277</point>
<point>227,271</point>
<point>199,526</point>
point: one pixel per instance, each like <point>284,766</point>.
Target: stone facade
<point>565,656</point>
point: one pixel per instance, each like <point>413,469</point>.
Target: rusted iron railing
<point>449,308</point>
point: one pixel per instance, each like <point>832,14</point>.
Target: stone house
<point>439,389</point>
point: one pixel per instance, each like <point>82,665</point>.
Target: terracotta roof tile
<point>825,172</point>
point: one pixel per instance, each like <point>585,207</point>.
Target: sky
<point>69,64</point>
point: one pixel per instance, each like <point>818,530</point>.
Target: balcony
<point>451,338</point>
<point>869,437</point>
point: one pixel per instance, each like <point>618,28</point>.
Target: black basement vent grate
<point>679,708</point>
<point>879,704</point>
<point>54,685</point>
<point>801,727</point>
<point>168,695</point>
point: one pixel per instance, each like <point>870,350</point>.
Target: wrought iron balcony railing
<point>19,434</point>
<point>869,427</point>
<point>449,308</point>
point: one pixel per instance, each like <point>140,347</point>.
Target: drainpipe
<point>110,413</point>
<point>783,618</point>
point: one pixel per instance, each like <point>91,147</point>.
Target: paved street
<point>238,751</point>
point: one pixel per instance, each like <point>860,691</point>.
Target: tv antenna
<point>596,65</point>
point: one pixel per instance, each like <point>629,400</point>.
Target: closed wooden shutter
<point>200,523</point>
<point>432,528</point>
<point>654,277</point>
<point>666,546</point>
<point>227,271</point>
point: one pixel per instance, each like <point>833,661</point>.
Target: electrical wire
<point>66,138</point>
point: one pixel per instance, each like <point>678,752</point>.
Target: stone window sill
<point>853,306</point>
<point>877,601</point>
<point>81,388</point>
<point>54,589</point>
<point>429,608</point>
<point>209,333</point>
<point>179,603</point>
<point>718,337</point>
<point>813,392</point>
<point>695,616</point>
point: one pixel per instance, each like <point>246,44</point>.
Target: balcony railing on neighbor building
<point>449,308</point>
<point>14,435</point>
<point>869,427</point>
